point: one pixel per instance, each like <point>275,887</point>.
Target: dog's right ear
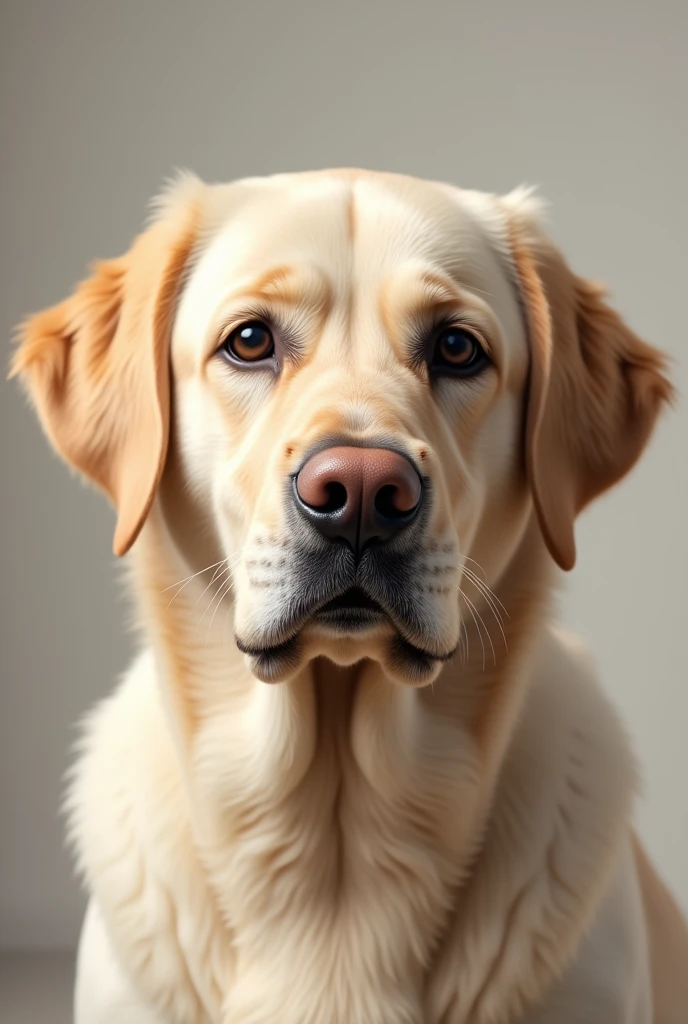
<point>97,368</point>
<point>595,388</point>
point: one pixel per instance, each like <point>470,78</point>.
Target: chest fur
<point>334,834</point>
<point>305,863</point>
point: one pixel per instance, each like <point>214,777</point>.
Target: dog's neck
<point>339,781</point>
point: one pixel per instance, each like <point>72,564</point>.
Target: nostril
<point>386,502</point>
<point>336,498</point>
<point>322,493</point>
<point>392,504</point>
<point>358,494</point>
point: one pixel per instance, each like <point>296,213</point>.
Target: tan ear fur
<point>97,369</point>
<point>594,394</point>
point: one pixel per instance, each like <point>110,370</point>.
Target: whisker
<point>467,559</point>
<point>188,579</point>
<point>465,650</point>
<point>231,559</point>
<point>474,611</point>
<point>219,594</point>
<point>470,608</point>
<point>488,635</point>
<point>216,576</point>
<point>486,593</point>
<point>226,587</point>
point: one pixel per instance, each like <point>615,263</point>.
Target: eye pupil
<point>252,336</point>
<point>458,349</point>
<point>458,345</point>
<point>250,343</point>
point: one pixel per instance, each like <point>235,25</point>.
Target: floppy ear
<point>97,369</point>
<point>594,392</point>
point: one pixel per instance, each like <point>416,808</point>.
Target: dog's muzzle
<point>357,519</point>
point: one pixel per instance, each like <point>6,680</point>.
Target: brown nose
<point>358,494</point>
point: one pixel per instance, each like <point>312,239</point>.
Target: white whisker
<point>487,595</point>
<point>188,579</point>
<point>233,558</point>
<point>219,594</point>
<point>474,612</point>
<point>225,588</point>
<point>216,576</point>
<point>465,652</point>
<point>467,559</point>
<point>461,593</point>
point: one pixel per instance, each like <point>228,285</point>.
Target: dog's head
<point>369,382</point>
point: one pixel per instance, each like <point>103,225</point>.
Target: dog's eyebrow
<point>414,295</point>
<point>291,285</point>
<point>409,300</point>
<point>431,290</point>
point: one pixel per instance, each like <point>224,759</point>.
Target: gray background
<point>100,101</point>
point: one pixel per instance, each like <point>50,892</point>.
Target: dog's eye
<point>458,350</point>
<point>250,343</point>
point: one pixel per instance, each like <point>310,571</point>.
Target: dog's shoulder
<point>565,659</point>
<point>129,824</point>
<point>567,699</point>
<point>558,829</point>
<point>609,978</point>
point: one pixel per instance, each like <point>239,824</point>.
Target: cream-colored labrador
<point>347,420</point>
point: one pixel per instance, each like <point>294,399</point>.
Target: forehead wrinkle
<point>291,285</point>
<point>350,290</point>
<point>435,289</point>
<point>351,216</point>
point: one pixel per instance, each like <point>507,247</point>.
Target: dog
<point>356,775</point>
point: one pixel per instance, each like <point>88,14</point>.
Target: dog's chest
<point>335,870</point>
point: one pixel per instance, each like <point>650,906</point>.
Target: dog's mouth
<point>377,603</point>
<point>354,609</point>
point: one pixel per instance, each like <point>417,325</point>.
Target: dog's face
<point>375,381</point>
<point>349,363</point>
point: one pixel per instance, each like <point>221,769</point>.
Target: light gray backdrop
<point>100,101</point>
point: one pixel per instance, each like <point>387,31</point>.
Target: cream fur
<point>343,847</point>
<point>309,953</point>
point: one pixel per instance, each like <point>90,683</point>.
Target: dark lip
<point>352,610</point>
<point>289,648</point>
<point>353,600</point>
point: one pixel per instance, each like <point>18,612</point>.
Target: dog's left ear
<point>97,369</point>
<point>595,389</point>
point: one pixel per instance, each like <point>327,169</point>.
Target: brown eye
<point>458,350</point>
<point>250,343</point>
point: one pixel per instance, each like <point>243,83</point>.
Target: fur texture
<point>379,837</point>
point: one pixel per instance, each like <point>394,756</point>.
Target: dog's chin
<point>347,644</point>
